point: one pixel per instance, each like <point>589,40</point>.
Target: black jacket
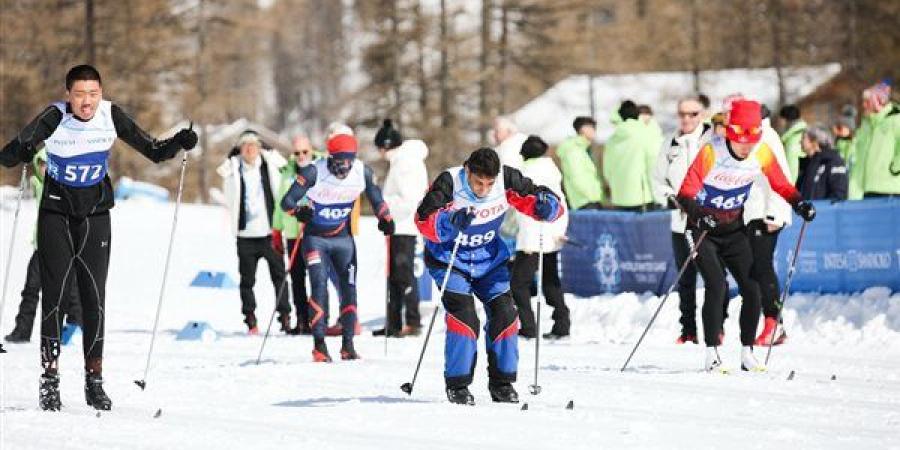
<point>824,176</point>
<point>82,201</point>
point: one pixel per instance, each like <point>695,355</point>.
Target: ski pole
<point>684,266</point>
<point>278,296</point>
<point>142,383</point>
<point>387,292</point>
<point>12,242</point>
<point>536,388</point>
<point>787,287</point>
<point>408,387</point>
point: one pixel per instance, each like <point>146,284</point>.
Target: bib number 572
<point>83,173</point>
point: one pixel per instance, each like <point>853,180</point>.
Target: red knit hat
<point>341,143</point>
<point>744,122</point>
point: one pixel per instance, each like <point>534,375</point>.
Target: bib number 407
<point>83,173</point>
<point>335,213</point>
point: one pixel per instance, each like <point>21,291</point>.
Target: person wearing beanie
<point>21,333</point>
<point>793,127</point>
<point>629,158</point>
<point>580,175</point>
<point>712,194</point>
<point>824,176</point>
<point>876,168</point>
<point>539,168</point>
<point>331,186</point>
<point>404,186</point>
<point>250,178</point>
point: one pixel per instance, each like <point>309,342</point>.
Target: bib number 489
<point>475,240</point>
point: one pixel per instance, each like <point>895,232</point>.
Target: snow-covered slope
<point>212,395</point>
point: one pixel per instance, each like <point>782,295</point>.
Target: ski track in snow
<point>213,395</point>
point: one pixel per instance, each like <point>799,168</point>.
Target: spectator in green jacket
<point>793,127</point>
<point>876,171</point>
<point>582,184</point>
<point>287,227</point>
<point>629,159</point>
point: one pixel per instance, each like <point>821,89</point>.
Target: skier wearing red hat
<point>332,185</point>
<point>713,193</point>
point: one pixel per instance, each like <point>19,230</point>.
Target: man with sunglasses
<point>285,226</point>
<point>331,186</point>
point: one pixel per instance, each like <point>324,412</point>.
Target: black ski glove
<point>806,210</point>
<point>186,138</point>
<point>386,225</point>
<point>462,218</point>
<point>303,213</point>
<point>707,223</point>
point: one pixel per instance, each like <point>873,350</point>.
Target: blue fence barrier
<point>849,247</point>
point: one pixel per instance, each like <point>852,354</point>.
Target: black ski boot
<point>460,396</point>
<point>320,351</point>
<point>348,353</point>
<point>503,393</point>
<point>285,320</point>
<point>48,393</point>
<point>19,335</point>
<point>94,394</point>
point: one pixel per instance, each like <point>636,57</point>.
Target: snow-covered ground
<point>845,351</point>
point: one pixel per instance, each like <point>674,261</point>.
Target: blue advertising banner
<point>850,246</point>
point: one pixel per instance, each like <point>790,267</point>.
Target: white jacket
<point>764,203</point>
<point>543,172</point>
<point>405,184</point>
<point>510,150</point>
<point>672,162</point>
<point>229,170</point>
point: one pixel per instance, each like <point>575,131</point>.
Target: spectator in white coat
<point>509,143</point>
<point>672,162</point>
<point>404,187</point>
<point>541,170</point>
<point>250,178</point>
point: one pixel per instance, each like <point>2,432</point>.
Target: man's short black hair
<point>581,121</point>
<point>789,113</point>
<point>484,162</point>
<point>764,111</point>
<point>704,100</point>
<point>533,147</point>
<point>628,110</point>
<point>83,72</point>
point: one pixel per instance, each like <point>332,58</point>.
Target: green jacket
<point>876,168</point>
<point>282,221</point>
<point>37,184</point>
<point>628,162</point>
<point>580,179</point>
<point>846,148</point>
<point>793,151</point>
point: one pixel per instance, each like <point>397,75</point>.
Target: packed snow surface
<point>844,351</point>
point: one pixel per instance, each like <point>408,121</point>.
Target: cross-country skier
<point>332,185</point>
<point>713,192</point>
<point>73,221</point>
<point>468,203</point>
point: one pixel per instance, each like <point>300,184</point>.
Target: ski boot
<point>687,336</point>
<point>94,394</point>
<point>389,332</point>
<point>410,330</point>
<point>460,396</point>
<point>285,320</point>
<point>48,393</point>
<point>348,353</point>
<point>714,361</point>
<point>503,392</point>
<point>302,329</point>
<point>766,337</point>
<point>320,351</point>
<point>19,334</point>
<point>554,336</point>
<point>250,320</point>
<point>749,363</point>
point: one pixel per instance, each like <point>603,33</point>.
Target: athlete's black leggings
<point>763,271</point>
<point>733,250</point>
<point>67,246</point>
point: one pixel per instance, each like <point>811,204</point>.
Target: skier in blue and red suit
<point>468,203</point>
<point>331,186</point>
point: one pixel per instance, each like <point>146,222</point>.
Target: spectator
<point>250,180</point>
<point>842,129</point>
<point>404,187</point>
<point>543,172</point>
<point>286,226</point>
<point>793,127</point>
<point>706,103</point>
<point>718,124</point>
<point>672,164</point>
<point>824,176</point>
<point>645,114</point>
<point>580,180</point>
<point>629,159</point>
<point>21,333</point>
<point>509,141</point>
<point>876,170</point>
